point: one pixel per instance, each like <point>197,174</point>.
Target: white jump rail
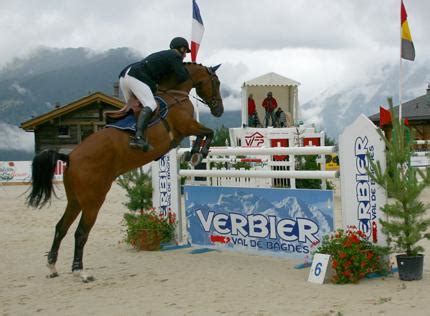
<point>302,174</point>
<point>239,151</point>
<point>264,151</point>
<point>422,142</point>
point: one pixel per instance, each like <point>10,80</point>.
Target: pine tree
<point>405,224</point>
<point>138,185</point>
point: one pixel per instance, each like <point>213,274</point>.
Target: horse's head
<point>207,86</point>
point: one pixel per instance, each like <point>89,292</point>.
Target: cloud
<point>13,138</point>
<point>318,43</point>
<point>21,90</point>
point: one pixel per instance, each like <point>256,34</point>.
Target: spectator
<point>251,111</point>
<point>269,104</point>
<point>281,118</point>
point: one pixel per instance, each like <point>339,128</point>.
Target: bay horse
<point>95,163</point>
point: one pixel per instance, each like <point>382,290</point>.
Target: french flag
<point>196,31</point>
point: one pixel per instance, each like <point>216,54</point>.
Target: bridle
<point>214,100</point>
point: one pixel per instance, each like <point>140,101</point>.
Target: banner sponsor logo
<point>165,196</point>
<point>365,187</point>
<point>254,140</point>
<point>279,221</point>
<point>362,199</point>
<point>260,226</point>
<point>7,170</point>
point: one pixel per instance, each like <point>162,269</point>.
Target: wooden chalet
<point>417,111</point>
<point>67,126</point>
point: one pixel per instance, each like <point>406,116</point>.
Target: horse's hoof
<point>83,276</point>
<point>196,159</point>
<point>88,279</point>
<point>52,275</point>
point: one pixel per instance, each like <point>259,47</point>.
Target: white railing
<point>279,171</point>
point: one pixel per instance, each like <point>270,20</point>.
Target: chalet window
<point>63,132</point>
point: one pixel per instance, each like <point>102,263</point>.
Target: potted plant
<point>352,256</point>
<point>405,224</point>
<point>146,228</point>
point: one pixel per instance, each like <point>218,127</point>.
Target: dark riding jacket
<point>157,66</point>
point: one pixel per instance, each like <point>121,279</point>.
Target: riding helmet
<point>179,42</point>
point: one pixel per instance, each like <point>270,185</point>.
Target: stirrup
<point>140,143</point>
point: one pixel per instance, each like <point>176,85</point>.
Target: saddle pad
<point>128,123</point>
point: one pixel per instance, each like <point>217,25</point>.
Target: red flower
<point>354,239</point>
<point>347,243</point>
<point>353,255</point>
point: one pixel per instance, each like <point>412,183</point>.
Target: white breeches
<point>132,86</point>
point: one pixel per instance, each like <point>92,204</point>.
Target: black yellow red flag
<point>408,49</point>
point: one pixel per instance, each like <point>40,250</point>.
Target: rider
<point>140,79</point>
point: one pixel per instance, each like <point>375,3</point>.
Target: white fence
<point>266,171</point>
<point>361,199</point>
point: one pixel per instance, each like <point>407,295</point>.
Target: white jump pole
<point>239,151</point>
<point>297,174</point>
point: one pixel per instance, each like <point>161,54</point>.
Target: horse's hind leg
<point>69,216</point>
<point>87,221</point>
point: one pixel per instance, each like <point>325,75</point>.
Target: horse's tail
<point>42,173</point>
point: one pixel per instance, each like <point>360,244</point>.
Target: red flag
<point>384,117</point>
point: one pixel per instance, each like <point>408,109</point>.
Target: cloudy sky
<point>318,43</point>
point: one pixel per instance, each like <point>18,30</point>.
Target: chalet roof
<point>416,109</point>
<point>73,106</point>
<point>271,79</point>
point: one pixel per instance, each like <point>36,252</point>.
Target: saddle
<point>134,106</point>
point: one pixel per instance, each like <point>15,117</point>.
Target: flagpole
<point>400,90</point>
<point>400,69</point>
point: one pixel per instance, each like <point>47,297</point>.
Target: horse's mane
<point>192,63</point>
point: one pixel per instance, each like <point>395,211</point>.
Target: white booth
<point>284,90</point>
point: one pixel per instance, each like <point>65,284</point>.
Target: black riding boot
<point>139,141</point>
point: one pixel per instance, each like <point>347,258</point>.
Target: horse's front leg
<point>198,152</point>
<point>192,127</point>
<point>207,144</point>
<point>196,145</point>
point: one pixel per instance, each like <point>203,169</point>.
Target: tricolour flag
<point>408,49</point>
<point>196,32</point>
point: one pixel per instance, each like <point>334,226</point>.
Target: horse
<point>95,163</point>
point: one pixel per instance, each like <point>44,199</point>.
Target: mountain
<point>32,86</point>
<point>340,105</point>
